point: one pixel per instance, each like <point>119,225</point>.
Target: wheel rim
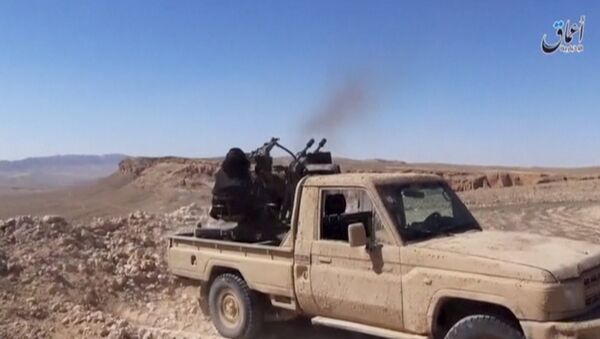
<point>230,309</point>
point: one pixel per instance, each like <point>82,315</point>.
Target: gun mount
<point>258,185</point>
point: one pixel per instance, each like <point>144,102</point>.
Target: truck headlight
<point>568,297</point>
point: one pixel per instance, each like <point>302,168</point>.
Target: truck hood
<point>563,258</point>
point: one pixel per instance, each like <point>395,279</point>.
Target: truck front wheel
<point>235,310</point>
<point>483,326</point>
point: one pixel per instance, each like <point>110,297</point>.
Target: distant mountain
<point>56,171</point>
<point>61,161</point>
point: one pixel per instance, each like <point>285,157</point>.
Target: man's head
<point>236,164</point>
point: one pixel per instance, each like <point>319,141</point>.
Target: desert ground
<point>87,261</point>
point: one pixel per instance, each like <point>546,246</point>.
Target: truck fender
<point>226,265</point>
<point>438,298</point>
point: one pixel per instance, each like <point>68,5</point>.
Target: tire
<point>235,310</point>
<point>483,327</point>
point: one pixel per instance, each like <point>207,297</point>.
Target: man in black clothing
<point>253,201</point>
<point>231,193</point>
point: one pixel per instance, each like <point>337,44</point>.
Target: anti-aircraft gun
<point>284,180</point>
<point>305,163</point>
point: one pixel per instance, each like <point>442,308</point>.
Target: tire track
<point>576,220</point>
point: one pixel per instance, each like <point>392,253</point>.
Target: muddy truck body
<point>395,256</point>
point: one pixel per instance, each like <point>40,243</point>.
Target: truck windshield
<point>424,210</point>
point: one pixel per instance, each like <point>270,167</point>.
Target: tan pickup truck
<point>396,256</point>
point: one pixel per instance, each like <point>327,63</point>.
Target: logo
<point>570,37</point>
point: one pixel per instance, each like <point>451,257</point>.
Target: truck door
<point>354,284</point>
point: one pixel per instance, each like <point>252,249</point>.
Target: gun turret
<point>232,200</point>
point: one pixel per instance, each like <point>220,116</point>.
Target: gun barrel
<point>303,152</point>
<point>265,149</point>
<point>321,144</point>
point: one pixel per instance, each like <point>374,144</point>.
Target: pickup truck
<point>395,256</point>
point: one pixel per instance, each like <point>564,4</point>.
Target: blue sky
<point>464,82</point>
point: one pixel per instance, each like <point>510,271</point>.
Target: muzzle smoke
<point>347,103</point>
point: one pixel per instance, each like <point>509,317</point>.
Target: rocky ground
<point>83,276</point>
<point>102,279</point>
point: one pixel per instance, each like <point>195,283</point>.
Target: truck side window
<point>342,206</point>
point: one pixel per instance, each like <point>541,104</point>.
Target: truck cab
<point>397,256</point>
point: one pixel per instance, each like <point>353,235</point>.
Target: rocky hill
<point>196,173</point>
<point>164,184</point>
<point>170,172</point>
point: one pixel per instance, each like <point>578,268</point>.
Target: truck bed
<point>265,267</point>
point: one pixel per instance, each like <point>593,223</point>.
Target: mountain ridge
<point>61,160</point>
<point>56,171</point>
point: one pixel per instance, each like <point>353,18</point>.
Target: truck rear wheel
<point>235,310</point>
<point>483,327</point>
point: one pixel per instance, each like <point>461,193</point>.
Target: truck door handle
<point>325,260</point>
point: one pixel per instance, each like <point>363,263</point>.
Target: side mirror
<point>357,236</point>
